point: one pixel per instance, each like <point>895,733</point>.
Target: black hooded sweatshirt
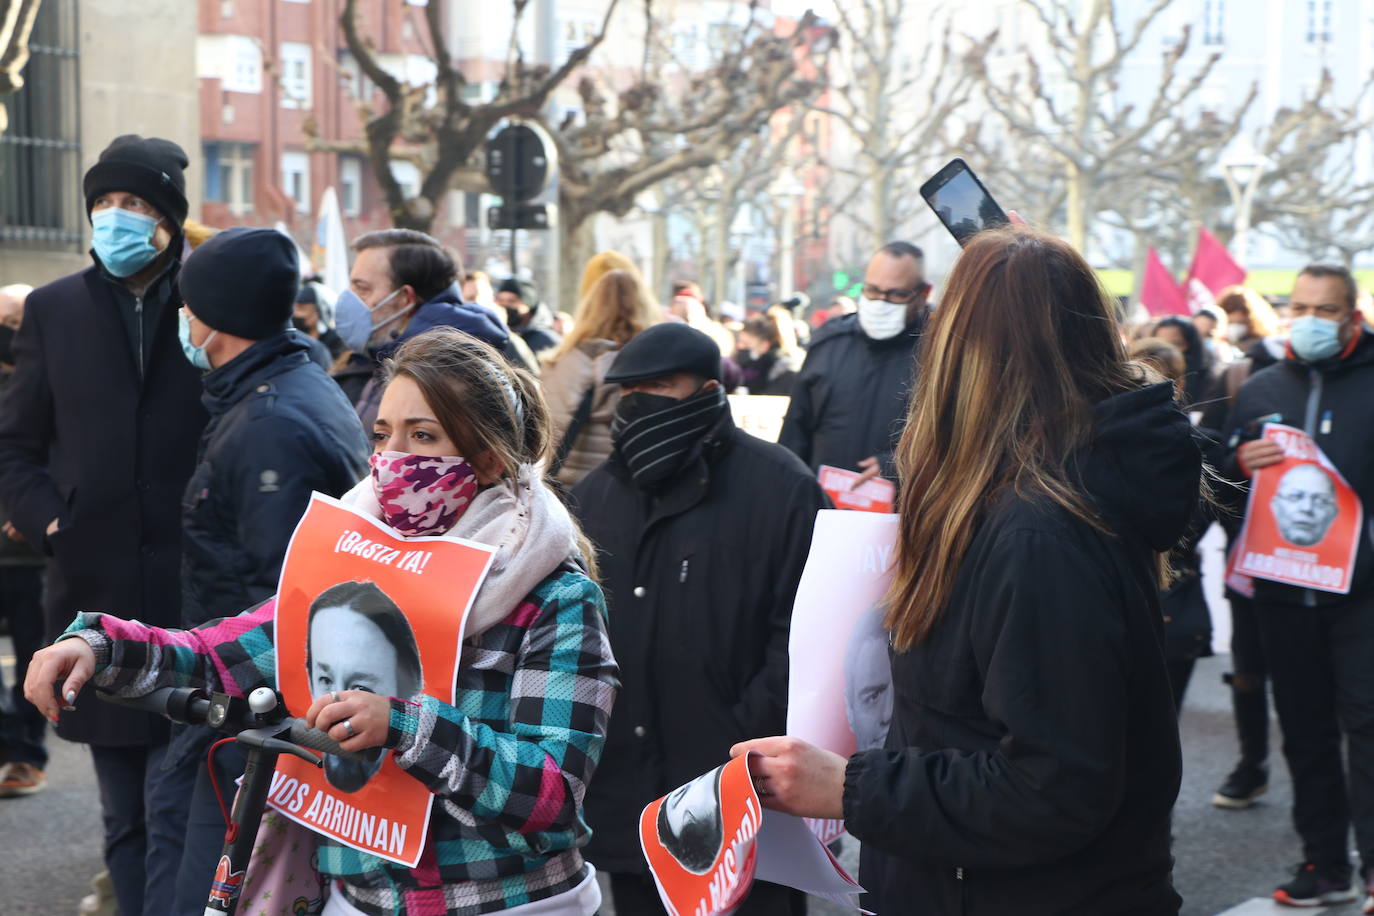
<point>1033,757</point>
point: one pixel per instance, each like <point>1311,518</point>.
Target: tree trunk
<point>1076,204</point>
<point>576,245</point>
<point>720,262</point>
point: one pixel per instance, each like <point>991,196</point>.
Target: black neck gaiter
<point>654,433</point>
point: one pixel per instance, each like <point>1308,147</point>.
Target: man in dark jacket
<point>526,315</point>
<point>1319,644</point>
<point>279,429</point>
<point>702,531</point>
<point>402,284</point>
<point>849,400</point>
<point>97,439</point>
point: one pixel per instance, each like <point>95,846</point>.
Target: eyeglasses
<point>894,296</point>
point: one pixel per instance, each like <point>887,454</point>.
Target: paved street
<point>50,843</point>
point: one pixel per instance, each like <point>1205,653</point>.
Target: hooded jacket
<point>1033,757</point>
<point>849,400</point>
<point>1333,402</point>
<point>700,577</point>
<point>446,310</point>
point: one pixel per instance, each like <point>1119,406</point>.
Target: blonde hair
<point>616,308</point>
<point>600,264</point>
<point>1023,344</point>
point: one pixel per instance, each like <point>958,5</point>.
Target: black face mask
<point>6,343</point>
<point>655,433</point>
<point>300,324</point>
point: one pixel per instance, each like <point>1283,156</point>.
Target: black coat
<point>1033,757</point>
<point>105,442</point>
<point>1333,401</point>
<point>849,400</point>
<point>699,584</point>
<point>279,429</point>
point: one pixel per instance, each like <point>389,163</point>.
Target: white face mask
<point>881,320</point>
<point>1236,332</point>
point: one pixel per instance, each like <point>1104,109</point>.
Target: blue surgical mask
<point>1314,339</point>
<point>195,354</point>
<point>353,319</point>
<point>123,240</point>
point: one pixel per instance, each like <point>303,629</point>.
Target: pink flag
<point>1159,291</point>
<point>1213,270</point>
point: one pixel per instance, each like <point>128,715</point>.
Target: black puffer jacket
<point>279,429</point>
<point>1034,757</point>
<point>1333,402</point>
<point>699,583</point>
<point>849,400</point>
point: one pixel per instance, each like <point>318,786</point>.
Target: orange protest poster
<point>876,495</point>
<point>360,607</point>
<point>1303,521</point>
<point>707,841</point>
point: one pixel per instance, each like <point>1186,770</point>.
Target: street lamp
<point>1242,169</point>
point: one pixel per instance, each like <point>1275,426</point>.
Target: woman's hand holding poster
<point>708,841</point>
<point>1303,521</point>
<point>839,694</point>
<point>360,607</point>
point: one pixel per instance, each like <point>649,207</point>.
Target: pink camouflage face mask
<point>421,495</point>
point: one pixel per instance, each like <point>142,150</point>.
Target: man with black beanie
<point>526,315</point>
<point>279,429</point>
<point>702,531</point>
<point>98,436</point>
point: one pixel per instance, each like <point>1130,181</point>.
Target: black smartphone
<point>961,202</point>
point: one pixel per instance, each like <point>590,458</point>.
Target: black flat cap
<point>663,350</point>
<point>243,282</point>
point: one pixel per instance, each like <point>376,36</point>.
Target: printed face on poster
<point>360,607</point>
<point>707,841</point>
<point>1303,521</point>
<point>842,701</point>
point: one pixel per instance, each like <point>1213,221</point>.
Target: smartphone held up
<point>961,202</point>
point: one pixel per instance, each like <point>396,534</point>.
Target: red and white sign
<point>1303,521</point>
<point>708,841</point>
<point>876,495</point>
<point>360,606</point>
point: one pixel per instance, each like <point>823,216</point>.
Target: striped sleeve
<point>233,655</point>
<point>530,778</point>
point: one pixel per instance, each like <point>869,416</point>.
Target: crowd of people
<point>168,412</point>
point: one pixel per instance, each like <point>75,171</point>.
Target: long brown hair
<point>483,403</point>
<point>617,307</point>
<point>1263,321</point>
<point>1023,344</point>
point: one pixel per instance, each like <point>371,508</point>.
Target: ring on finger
<point>348,727</point>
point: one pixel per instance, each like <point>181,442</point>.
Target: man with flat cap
<point>279,429</point>
<point>702,531</point>
<point>98,435</point>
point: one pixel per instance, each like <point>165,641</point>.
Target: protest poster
<point>1303,521</point>
<point>876,495</point>
<point>361,607</point>
<point>707,842</point>
<point>842,700</point>
<point>759,414</point>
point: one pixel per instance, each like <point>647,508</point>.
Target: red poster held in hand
<point>1303,521</point>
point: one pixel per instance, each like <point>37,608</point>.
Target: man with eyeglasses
<point>849,399</point>
<point>1320,644</point>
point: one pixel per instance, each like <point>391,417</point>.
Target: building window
<point>352,78</point>
<point>407,176</point>
<point>40,152</point>
<point>350,185</point>
<point>1213,22</point>
<point>294,62</point>
<point>1318,21</point>
<point>229,175</point>
<point>295,179</point>
<point>234,60</point>
<point>576,31</point>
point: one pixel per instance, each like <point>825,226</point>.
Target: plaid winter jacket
<point>509,762</point>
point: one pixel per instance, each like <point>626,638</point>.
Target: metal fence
<point>40,153</point>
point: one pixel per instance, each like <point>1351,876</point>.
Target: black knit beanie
<point>243,282</point>
<point>152,168</point>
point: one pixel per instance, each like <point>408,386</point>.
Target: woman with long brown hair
<point>1033,755</point>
